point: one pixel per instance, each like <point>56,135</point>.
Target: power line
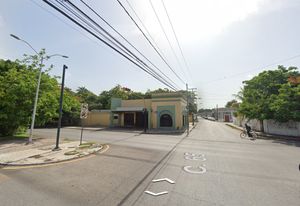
<point>75,28</point>
<point>144,26</point>
<point>125,39</point>
<point>60,19</point>
<point>106,43</point>
<point>162,27</point>
<point>150,42</point>
<point>251,70</point>
<point>184,59</point>
<point>128,52</point>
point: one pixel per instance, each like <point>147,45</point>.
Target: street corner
<point>46,155</point>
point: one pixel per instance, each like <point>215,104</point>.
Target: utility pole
<point>38,84</point>
<point>60,107</point>
<point>217,113</point>
<point>187,109</point>
<point>193,89</point>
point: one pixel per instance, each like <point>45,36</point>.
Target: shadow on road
<point>287,142</point>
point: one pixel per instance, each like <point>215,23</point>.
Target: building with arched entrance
<point>165,111</point>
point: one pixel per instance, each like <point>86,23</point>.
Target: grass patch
<point>74,152</point>
<point>17,136</point>
<point>86,145</point>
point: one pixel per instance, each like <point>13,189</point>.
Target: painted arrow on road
<point>156,194</point>
<point>164,179</point>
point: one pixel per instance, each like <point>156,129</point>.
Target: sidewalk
<point>17,153</point>
<point>262,135</point>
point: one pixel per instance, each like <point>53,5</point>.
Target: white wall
<point>289,128</point>
<point>255,124</point>
<point>272,127</point>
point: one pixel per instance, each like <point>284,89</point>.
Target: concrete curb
<point>234,127</point>
<point>267,136</point>
<point>2,165</point>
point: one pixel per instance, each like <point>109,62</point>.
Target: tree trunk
<point>262,125</point>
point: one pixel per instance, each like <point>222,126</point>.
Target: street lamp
<point>38,85</point>
<point>60,107</point>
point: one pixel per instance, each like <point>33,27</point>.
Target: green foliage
<point>270,96</point>
<point>232,104</point>
<point>286,105</point>
<point>18,82</point>
<point>86,96</point>
<point>118,92</point>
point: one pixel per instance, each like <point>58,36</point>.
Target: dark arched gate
<point>166,120</point>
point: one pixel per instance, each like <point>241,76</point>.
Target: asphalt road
<point>212,166</point>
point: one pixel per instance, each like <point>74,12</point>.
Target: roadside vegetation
<point>18,81</point>
<point>271,95</point>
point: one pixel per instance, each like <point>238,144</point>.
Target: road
<point>232,171</point>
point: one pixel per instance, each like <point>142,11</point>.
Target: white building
<point>224,114</point>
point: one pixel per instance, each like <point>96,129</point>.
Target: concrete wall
<point>289,128</point>
<point>146,103</point>
<point>272,127</point>
<point>255,124</point>
<point>97,118</point>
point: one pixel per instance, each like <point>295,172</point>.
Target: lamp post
<point>60,107</point>
<point>38,84</point>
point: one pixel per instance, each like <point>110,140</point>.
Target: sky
<point>224,42</point>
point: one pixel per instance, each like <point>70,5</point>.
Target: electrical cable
<point>150,42</point>
<point>147,31</point>
<point>184,59</point>
<point>128,52</point>
<point>96,13</point>
<point>241,73</point>
<point>162,27</point>
<point>105,42</point>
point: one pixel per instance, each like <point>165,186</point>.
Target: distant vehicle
<point>210,118</point>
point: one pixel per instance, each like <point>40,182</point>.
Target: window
<point>116,116</point>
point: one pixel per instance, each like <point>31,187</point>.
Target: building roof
<point>168,95</point>
<point>128,109</point>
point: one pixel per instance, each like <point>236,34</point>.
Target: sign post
<point>83,115</point>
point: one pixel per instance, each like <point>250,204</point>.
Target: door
<point>166,120</point>
<point>129,119</point>
<point>226,117</point>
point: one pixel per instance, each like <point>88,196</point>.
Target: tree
<point>117,92</point>
<point>86,96</point>
<point>232,104</point>
<point>286,105</point>
<point>17,86</point>
<point>269,95</point>
<point>18,80</point>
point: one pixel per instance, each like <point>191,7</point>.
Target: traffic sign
<point>84,111</point>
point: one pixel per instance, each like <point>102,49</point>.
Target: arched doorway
<point>166,120</point>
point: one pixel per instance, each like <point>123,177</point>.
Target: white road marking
<point>164,179</point>
<point>195,158</point>
<point>192,154</point>
<point>190,170</point>
<point>156,194</point>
